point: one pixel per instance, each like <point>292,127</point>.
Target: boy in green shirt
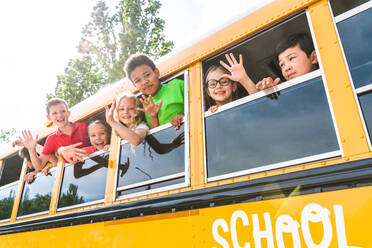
<point>165,103</point>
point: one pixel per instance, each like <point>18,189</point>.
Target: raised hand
<point>28,140</point>
<point>149,106</point>
<point>236,69</point>
<point>267,83</point>
<point>110,112</point>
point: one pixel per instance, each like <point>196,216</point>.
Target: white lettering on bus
<point>238,214</point>
<point>285,224</point>
<point>268,233</point>
<point>311,213</point>
<point>315,213</point>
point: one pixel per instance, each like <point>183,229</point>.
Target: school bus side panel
<point>330,218</point>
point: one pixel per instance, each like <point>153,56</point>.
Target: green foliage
<point>6,206</point>
<point>6,135</point>
<point>71,197</point>
<point>35,205</point>
<point>107,41</point>
<point>82,78</point>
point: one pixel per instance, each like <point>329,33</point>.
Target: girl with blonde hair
<point>129,122</point>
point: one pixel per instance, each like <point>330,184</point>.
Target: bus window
<point>160,162</point>
<point>257,133</point>
<point>157,163</point>
<point>11,169</point>
<point>7,196</point>
<point>10,172</point>
<point>258,51</point>
<point>354,31</point>
<point>84,183</point>
<point>341,6</point>
<point>36,196</point>
<point>296,127</point>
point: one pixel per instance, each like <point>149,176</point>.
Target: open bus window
<point>259,55</point>
<point>341,6</point>
<point>157,164</point>
<point>355,33</point>
<point>11,169</point>
<point>84,183</point>
<point>36,196</point>
<point>256,133</point>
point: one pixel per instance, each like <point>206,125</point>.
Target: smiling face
<point>98,135</point>
<point>126,110</point>
<point>220,94</point>
<point>294,62</point>
<point>58,114</point>
<point>145,79</point>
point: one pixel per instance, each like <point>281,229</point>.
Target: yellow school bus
<point>292,170</point>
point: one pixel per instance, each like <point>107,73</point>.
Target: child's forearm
<point>126,134</point>
<point>154,121</point>
<point>35,160</point>
<point>248,85</point>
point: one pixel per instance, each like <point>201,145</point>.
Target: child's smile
<point>126,110</point>
<point>220,94</point>
<point>98,136</point>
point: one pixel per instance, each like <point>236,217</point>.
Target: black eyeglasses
<point>212,83</point>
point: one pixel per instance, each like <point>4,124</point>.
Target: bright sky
<point>38,38</point>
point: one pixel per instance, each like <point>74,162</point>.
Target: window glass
<point>11,169</point>
<point>366,104</point>
<point>356,36</point>
<point>84,182</point>
<point>296,125</point>
<point>162,155</point>
<point>341,6</point>
<point>36,195</point>
<point>7,195</point>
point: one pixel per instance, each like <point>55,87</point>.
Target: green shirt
<point>172,96</point>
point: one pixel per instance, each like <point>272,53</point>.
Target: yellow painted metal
<point>110,182</point>
<point>350,127</point>
<point>56,186</point>
<point>195,228</point>
<point>19,192</point>
<point>196,126</point>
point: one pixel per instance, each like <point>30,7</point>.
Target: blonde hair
<point>138,118</point>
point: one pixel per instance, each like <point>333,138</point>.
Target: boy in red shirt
<point>66,141</point>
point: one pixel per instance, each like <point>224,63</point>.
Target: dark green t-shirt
<point>172,95</point>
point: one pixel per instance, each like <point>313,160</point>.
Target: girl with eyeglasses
<point>221,82</point>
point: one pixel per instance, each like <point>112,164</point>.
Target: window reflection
<point>341,6</point>
<point>161,155</point>
<point>356,37</point>
<point>366,104</point>
<point>84,182</point>
<point>36,195</point>
<point>7,195</point>
<point>262,132</point>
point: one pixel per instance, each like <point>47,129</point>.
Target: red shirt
<point>90,149</point>
<point>79,134</point>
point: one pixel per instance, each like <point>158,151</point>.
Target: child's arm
<point>238,73</point>
<point>152,109</point>
<point>30,143</point>
<point>134,137</point>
